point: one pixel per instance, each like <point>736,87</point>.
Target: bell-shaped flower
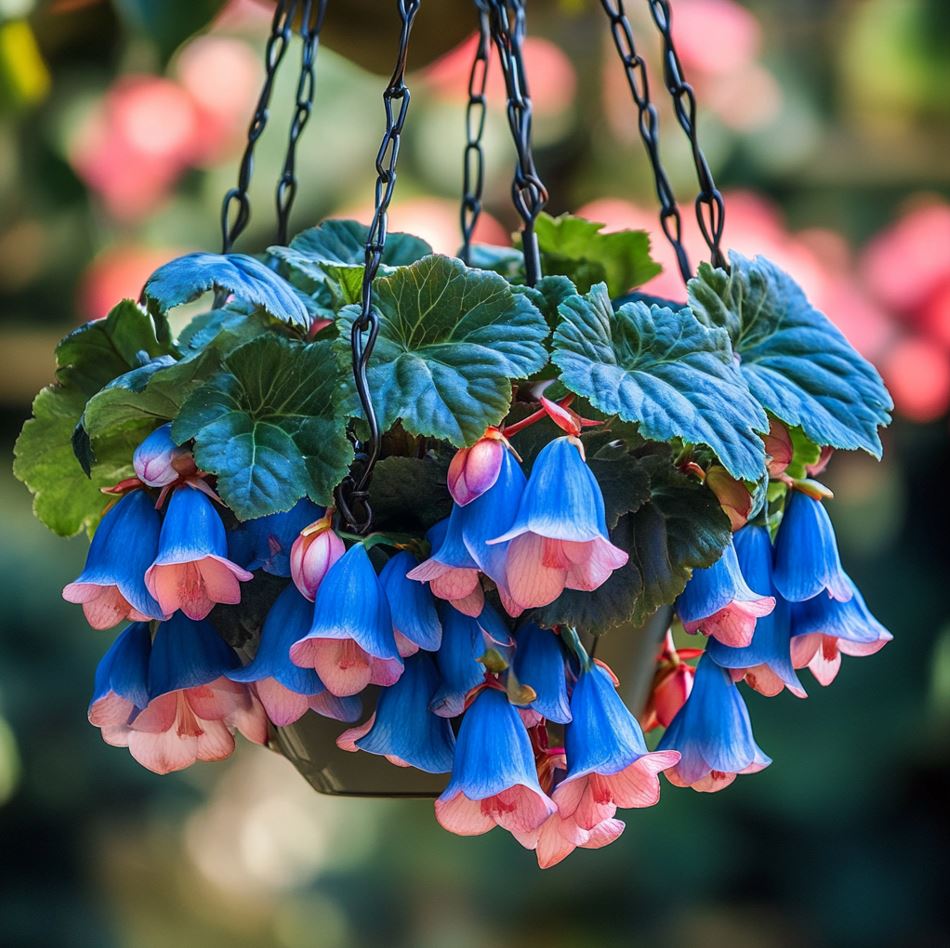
<point>350,643</point>
<point>158,461</point>
<point>415,619</point>
<point>806,552</point>
<point>474,470</point>
<point>718,602</point>
<point>316,548</point>
<point>609,765</point>
<point>463,643</point>
<point>121,686</point>
<point>490,515</point>
<point>539,662</point>
<point>193,706</point>
<point>112,585</point>
<point>559,536</point>
<point>192,571</point>
<point>450,571</point>
<point>766,663</point>
<point>286,690</point>
<point>824,629</point>
<point>713,734</point>
<point>403,729</point>
<point>732,494</point>
<point>265,542</point>
<point>494,779</point>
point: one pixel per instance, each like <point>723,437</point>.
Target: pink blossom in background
<point>119,273</point>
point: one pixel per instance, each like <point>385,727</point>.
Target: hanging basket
<point>449,526</point>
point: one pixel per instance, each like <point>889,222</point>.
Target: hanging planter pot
<point>422,523</point>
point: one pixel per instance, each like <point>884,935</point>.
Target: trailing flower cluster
<point>557,462</point>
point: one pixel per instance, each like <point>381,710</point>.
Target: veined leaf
<point>796,362</point>
<point>663,370</point>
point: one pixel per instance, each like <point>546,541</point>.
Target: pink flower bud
<point>158,461</point>
<point>778,446</point>
<point>671,692</point>
<point>818,468</point>
<point>475,470</point>
<point>732,495</point>
<point>313,553</point>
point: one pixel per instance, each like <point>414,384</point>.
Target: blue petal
<point>123,670</point>
<point>603,737</point>
<point>806,552</point>
<point>712,731</point>
<point>562,499</point>
<point>186,654</point>
<point>351,604</point>
<point>287,622</point>
<point>412,604</point>
<point>123,548</point>
<point>492,751</point>
<point>539,662</point>
<point>404,726</point>
<point>265,543</point>
<point>771,643</point>
<point>192,529</point>
<point>495,627</point>
<point>714,587</point>
<point>451,549</point>
<point>851,620</point>
<point>463,643</point>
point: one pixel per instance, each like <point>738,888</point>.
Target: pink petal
<point>530,582</point>
<point>347,740</point>
<point>826,662</point>
<point>111,710</point>
<point>103,606</point>
<point>454,584</point>
<point>554,844</point>
<point>603,834</point>
<point>463,816</point>
<point>637,785</point>
<point>804,648</point>
<point>472,604</point>
<point>591,571</point>
<point>404,646</point>
<point>220,581</point>
<point>475,470</point>
<point>282,705</point>
<point>384,671</point>
<point>519,808</point>
<point>735,624</point>
<point>159,715</point>
<point>342,665</point>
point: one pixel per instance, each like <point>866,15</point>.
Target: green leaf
<point>266,426</point>
<point>410,493</point>
<point>188,277</point>
<point>681,527</point>
<point>665,371</point>
<point>578,249</point>
<point>624,482</point>
<point>506,261</point>
<point>548,295</point>
<point>795,360</point>
<point>65,499</point>
<point>450,341</point>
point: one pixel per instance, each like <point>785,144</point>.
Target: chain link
<point>710,209</point>
<point>236,206</point>
<point>507,18</point>
<point>311,22</point>
<point>352,494</point>
<point>648,121</point>
<point>473,159</point>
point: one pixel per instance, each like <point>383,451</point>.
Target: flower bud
<point>778,446</point>
<point>732,495</point>
<point>475,470</point>
<point>670,691</point>
<point>313,553</point>
<point>158,461</point>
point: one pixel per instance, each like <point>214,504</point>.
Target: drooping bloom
<point>350,643</point>
<point>192,706</point>
<point>672,685</point>
<point>316,548</point>
<point>112,585</point>
<point>463,643</point>
<point>192,571</point>
<point>718,602</point>
<point>450,571</point>
<point>824,629</point>
<point>539,662</point>
<point>489,515</point>
<point>403,729</point>
<point>494,778</point>
<point>265,542</point>
<point>415,620</point>
<point>286,690</point>
<point>474,470</point>
<point>158,461</point>
<point>121,687</point>
<point>806,552</point>
<point>559,536</point>
<point>713,734</point>
<point>609,765</point>
<point>766,663</point>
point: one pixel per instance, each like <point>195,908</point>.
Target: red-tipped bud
<point>778,446</point>
<point>475,470</point>
<point>564,417</point>
<point>732,495</point>
<point>313,553</point>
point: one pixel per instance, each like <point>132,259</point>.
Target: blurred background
<point>827,123</point>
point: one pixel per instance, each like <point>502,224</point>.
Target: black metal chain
<point>311,23</point>
<point>473,159</point>
<point>710,208</point>
<point>648,121</point>
<point>507,18</point>
<point>236,202</point>
<point>352,494</point>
